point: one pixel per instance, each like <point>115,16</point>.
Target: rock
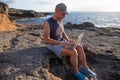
<point>76,26</point>
<point>68,25</point>
<point>27,58</point>
<point>71,26</point>
<point>4,8</point>
<point>5,38</point>
<point>15,14</point>
<point>32,63</point>
<point>102,51</point>
<point>87,24</point>
<point>24,55</point>
<point>6,24</point>
<point>108,31</point>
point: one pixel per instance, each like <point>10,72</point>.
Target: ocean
<point>99,19</point>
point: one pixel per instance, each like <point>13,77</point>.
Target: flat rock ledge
<point>23,55</point>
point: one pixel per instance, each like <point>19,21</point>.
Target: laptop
<point>77,42</point>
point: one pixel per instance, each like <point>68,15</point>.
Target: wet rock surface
<point>23,55</point>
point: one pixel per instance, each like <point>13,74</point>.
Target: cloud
<point>45,2</point>
<point>9,1</point>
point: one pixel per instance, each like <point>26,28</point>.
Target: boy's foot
<point>80,76</point>
<point>87,71</point>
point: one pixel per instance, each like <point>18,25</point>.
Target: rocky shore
<point>23,55</point>
<point>15,14</point>
<point>8,16</point>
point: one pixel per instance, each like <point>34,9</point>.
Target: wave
<point>100,19</point>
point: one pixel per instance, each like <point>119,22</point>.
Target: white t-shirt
<point>60,29</point>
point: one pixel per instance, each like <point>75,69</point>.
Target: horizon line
<point>68,11</point>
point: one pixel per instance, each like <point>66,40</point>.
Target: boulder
<point>6,24</point>
<point>15,14</point>
<point>4,8</point>
<point>71,26</point>
<point>86,25</point>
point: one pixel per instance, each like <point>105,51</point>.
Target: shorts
<point>56,49</point>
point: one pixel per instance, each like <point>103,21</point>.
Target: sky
<point>72,5</point>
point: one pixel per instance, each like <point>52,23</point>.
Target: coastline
<point>24,47</point>
<point>99,19</point>
<point>24,56</point>
<point>15,14</point>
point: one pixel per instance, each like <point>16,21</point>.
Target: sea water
<point>100,19</point>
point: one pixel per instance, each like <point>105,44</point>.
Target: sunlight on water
<point>100,19</point>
